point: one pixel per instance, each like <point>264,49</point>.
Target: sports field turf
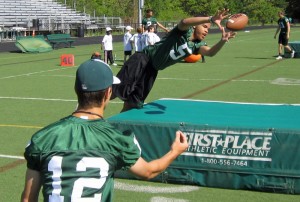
<point>36,90</point>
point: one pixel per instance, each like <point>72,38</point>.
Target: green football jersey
<point>77,158</point>
<point>172,48</point>
<point>283,23</point>
<point>149,21</point>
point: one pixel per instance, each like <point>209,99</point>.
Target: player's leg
<point>287,48</point>
<point>105,57</point>
<point>111,58</point>
<point>136,81</point>
<point>280,55</point>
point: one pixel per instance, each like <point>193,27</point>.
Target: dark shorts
<point>127,52</point>
<point>282,39</point>
<point>137,78</point>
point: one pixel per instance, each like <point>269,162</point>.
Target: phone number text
<point>225,162</point>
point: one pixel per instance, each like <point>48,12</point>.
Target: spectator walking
<point>284,35</point>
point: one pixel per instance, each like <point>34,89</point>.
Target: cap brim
<point>116,80</point>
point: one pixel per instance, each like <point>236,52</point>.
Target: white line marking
<point>165,199</point>
<point>153,189</point>
<point>286,81</point>
<point>11,157</point>
<point>19,126</point>
<point>41,99</point>
<point>187,79</point>
<point>28,74</point>
<point>219,101</point>
<point>47,99</point>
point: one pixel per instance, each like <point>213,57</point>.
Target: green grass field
<point>36,90</point>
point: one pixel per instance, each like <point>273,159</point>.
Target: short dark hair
<point>150,27</point>
<point>149,10</point>
<point>90,99</point>
<point>139,30</point>
<point>96,55</point>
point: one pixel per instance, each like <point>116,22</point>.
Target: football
<point>192,58</point>
<point>237,22</point>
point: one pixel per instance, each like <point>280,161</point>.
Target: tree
<point>167,10</point>
<point>260,11</point>
<point>293,9</point>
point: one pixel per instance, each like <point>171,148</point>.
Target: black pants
<point>108,56</point>
<point>137,79</point>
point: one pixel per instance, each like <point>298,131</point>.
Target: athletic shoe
<point>114,64</point>
<point>293,54</point>
<point>279,57</point>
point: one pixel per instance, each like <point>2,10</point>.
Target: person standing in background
<point>107,46</point>
<point>150,20</point>
<point>127,43</point>
<point>151,37</point>
<point>284,35</point>
<point>138,40</point>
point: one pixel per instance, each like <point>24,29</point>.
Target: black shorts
<point>137,78</point>
<point>282,39</point>
<point>127,52</point>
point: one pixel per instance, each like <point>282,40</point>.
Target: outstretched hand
<point>227,35</point>
<point>219,16</point>
<point>180,143</point>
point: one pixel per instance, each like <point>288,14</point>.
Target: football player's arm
<point>32,186</point>
<point>288,27</point>
<point>186,23</point>
<point>277,30</point>
<point>143,26</point>
<point>148,170</point>
<point>211,51</point>
<point>162,27</point>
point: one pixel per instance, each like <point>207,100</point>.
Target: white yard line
<point>47,99</point>
<point>240,80</point>
<point>153,189</point>
<point>32,73</point>
<point>11,157</point>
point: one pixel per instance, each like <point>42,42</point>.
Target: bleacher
<point>22,13</point>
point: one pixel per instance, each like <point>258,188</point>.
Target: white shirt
<point>107,42</point>
<point>151,38</point>
<point>138,40</point>
<point>127,43</point>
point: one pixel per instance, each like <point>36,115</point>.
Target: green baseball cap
<point>94,75</point>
